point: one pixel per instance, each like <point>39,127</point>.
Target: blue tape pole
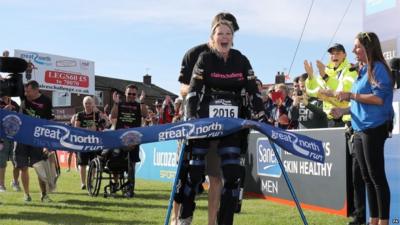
<point>289,184</point>
<point>171,198</point>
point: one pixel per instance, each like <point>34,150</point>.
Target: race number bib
<point>223,108</point>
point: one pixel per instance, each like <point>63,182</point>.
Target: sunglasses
<point>132,94</point>
<point>365,34</point>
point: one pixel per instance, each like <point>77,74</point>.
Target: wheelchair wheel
<point>94,177</point>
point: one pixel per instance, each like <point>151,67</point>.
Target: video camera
<point>12,85</point>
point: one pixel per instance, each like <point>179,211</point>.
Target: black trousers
<point>369,150</point>
<point>358,191</point>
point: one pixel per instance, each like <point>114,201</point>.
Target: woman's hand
<point>338,112</point>
<point>327,92</point>
<point>343,96</point>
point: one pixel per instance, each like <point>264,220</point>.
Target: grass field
<point>73,206</point>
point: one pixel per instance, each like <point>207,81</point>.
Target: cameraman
<point>307,110</point>
<point>7,148</point>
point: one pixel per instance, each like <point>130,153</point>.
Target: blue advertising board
<point>319,186</point>
<point>267,164</point>
<point>158,161</point>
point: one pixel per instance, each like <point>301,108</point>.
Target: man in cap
<point>339,75</point>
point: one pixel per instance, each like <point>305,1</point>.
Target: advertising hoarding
<point>59,73</point>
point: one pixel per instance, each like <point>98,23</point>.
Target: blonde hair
<point>215,26</point>
<point>281,86</point>
<point>87,98</point>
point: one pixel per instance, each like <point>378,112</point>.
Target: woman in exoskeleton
<point>222,82</point>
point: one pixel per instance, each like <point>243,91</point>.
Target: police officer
<point>336,76</point>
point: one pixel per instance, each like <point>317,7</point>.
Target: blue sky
<point>126,39</point>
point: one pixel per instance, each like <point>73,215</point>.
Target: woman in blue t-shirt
<point>372,115</point>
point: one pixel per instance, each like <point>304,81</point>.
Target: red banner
<point>66,78</point>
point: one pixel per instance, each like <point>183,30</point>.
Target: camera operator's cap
<point>336,46</point>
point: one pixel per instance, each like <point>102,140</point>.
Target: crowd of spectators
<point>311,102</point>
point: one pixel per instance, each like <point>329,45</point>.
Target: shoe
<point>186,221</point>
<point>357,221</point>
<point>83,187</point>
<point>27,198</point>
<point>2,188</point>
<point>15,186</point>
<point>67,170</point>
<point>45,198</point>
<point>130,194</point>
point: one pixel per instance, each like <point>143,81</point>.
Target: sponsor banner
<point>52,135</point>
<point>392,168</point>
<point>158,161</point>
<point>296,144</point>
<point>317,185</point>
<point>59,73</point>
<point>389,49</point>
<point>267,164</point>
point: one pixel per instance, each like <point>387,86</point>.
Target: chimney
<point>147,79</point>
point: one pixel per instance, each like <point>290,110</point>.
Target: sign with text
<point>319,186</point>
<point>49,134</point>
<point>158,161</point>
<point>267,165</point>
<point>59,73</point>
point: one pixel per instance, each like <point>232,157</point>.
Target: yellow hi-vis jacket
<point>339,79</point>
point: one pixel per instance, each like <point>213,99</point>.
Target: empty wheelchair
<point>112,165</point>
